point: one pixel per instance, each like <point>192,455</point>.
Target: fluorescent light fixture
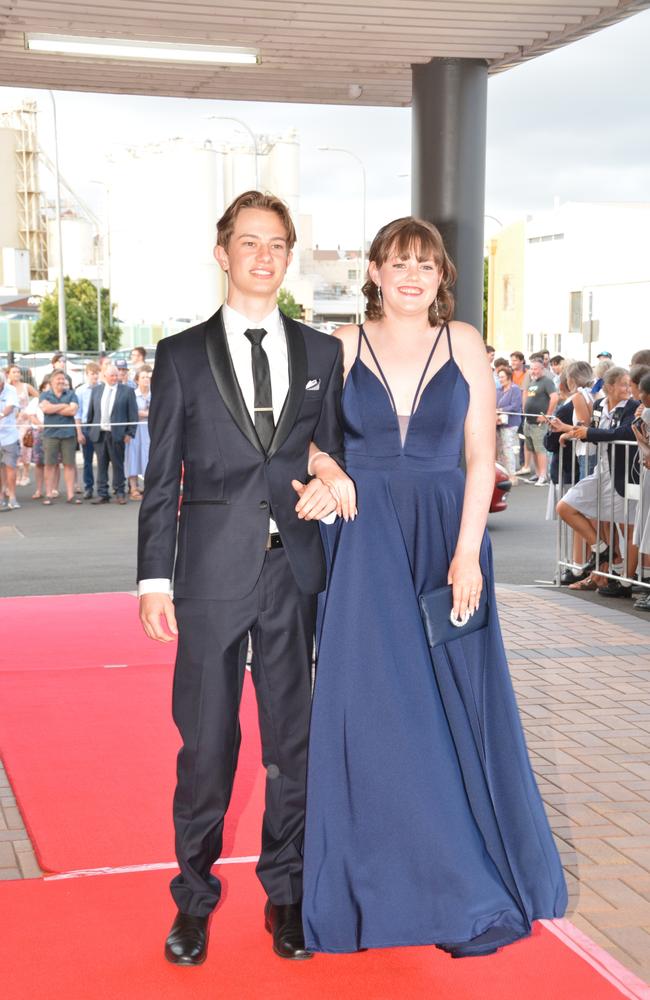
<point>123,48</point>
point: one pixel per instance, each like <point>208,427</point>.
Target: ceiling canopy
<point>313,51</point>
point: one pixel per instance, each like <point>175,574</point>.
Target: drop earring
<point>381,298</point>
<point>436,311</point>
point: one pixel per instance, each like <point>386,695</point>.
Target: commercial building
<point>574,280</point>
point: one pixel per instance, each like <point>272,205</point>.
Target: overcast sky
<point>573,124</point>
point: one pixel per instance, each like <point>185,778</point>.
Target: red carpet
<point>91,757</point>
<point>74,631</point>
<point>101,938</point>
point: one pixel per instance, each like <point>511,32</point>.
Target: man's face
<point>515,363</point>
<point>536,369</point>
<point>557,367</point>
<point>257,257</point>
<point>58,383</point>
<point>136,358</point>
<point>92,378</point>
<point>546,358</point>
<point>110,374</point>
<point>490,356</point>
<point>123,375</point>
<point>59,364</point>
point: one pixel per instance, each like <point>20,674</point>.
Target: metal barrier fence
<point>613,527</point>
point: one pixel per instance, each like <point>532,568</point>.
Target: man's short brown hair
<point>254,199</point>
<point>92,366</point>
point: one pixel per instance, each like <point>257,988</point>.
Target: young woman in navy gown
<point>424,822</point>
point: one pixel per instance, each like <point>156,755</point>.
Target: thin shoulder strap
<point>359,341</point>
<point>379,368</point>
<point>425,370</point>
<point>446,327</point>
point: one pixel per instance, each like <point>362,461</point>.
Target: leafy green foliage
<point>289,306</point>
<point>81,319</point>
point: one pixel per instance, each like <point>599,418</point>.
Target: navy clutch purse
<point>436,610</point>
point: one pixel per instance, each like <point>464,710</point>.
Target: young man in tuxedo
<point>248,405</point>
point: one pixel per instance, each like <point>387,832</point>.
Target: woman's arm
<point>320,464</point>
<point>464,571</point>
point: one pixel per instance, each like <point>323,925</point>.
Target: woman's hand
<point>467,581</point>
<point>558,425</point>
<point>338,482</point>
<point>579,432</point>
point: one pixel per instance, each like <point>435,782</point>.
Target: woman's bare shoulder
<point>465,338</point>
<point>348,334</point>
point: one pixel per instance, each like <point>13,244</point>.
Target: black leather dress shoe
<point>98,500</point>
<point>285,924</point>
<point>187,943</point>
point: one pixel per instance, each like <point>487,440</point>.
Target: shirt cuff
<point>329,518</point>
<point>155,586</point>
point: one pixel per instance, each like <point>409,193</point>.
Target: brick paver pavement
<point>582,676</point>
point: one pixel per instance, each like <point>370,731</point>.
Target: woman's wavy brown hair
<point>401,238</point>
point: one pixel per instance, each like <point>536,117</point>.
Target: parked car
<point>501,492</point>
<point>40,365</point>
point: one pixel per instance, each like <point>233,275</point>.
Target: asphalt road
<point>86,549</point>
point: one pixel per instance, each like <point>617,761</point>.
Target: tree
<point>289,306</point>
<point>81,319</point>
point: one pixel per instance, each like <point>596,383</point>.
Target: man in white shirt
<point>240,403</point>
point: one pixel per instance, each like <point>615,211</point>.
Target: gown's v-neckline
<point>384,383</point>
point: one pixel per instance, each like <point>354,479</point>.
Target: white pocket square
<point>312,385</point>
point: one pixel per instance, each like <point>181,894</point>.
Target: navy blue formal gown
<point>424,823</point>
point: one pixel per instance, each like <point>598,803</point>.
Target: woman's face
<point>620,390</point>
<point>144,382</point>
<point>13,375</point>
<point>503,378</point>
<point>408,285</point>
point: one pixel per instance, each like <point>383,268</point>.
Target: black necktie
<point>264,423</point>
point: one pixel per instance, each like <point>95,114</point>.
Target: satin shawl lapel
<point>297,355</point>
<point>223,372</point>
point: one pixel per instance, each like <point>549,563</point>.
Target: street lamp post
<point>63,329</point>
<point>229,118</point>
<point>341,149</point>
<point>105,262</point>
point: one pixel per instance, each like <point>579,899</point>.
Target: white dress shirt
<point>107,404</point>
<point>275,345</point>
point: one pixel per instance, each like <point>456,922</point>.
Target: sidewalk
<point>582,675</point>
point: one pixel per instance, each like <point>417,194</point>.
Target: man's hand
<point>316,500</point>
<point>154,609</point>
<point>81,437</point>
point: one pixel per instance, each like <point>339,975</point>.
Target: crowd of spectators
<point>552,412</point>
<point>551,416</point>
<point>44,427</point>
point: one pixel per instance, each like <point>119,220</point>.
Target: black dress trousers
<point>208,683</point>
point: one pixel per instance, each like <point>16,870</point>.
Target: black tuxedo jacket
<point>124,412</point>
<point>621,430</point>
<point>198,421</point>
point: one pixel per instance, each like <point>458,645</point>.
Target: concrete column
<point>448,167</point>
